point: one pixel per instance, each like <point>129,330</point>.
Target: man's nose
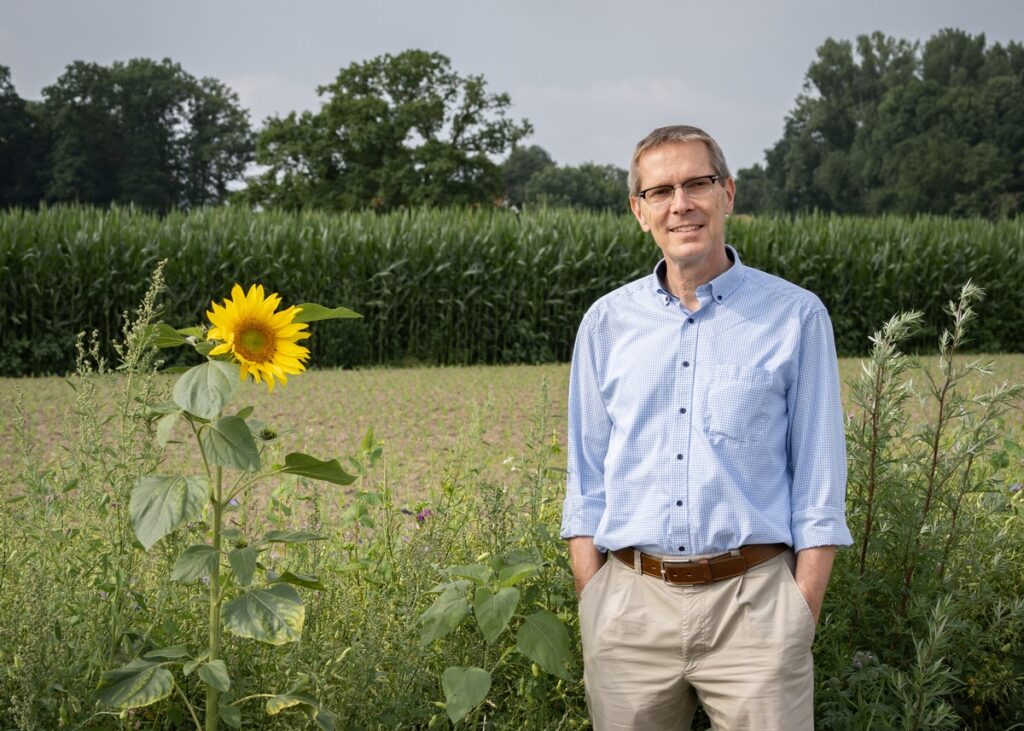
<point>681,200</point>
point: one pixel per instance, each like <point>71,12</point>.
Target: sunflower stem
<point>212,695</point>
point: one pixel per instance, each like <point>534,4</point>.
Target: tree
<point>592,186</point>
<point>144,133</point>
<point>891,126</point>
<point>521,165</point>
<point>403,130</point>
<point>23,144</point>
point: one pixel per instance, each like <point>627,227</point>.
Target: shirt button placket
<point>679,523</point>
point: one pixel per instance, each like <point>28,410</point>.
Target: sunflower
<point>263,341</point>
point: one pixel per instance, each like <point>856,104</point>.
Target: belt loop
<point>637,566</point>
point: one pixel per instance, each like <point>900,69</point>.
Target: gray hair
<point>676,133</point>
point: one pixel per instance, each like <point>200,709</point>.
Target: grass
<point>419,414</point>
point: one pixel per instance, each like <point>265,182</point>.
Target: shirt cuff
<point>581,516</point>
<point>820,527</point>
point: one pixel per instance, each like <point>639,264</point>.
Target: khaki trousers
<point>742,646</point>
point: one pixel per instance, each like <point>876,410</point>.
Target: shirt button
<point>682,548</point>
<point>682,410</point>
<point>679,456</point>
<point>679,503</point>
<point>686,364</point>
<point>690,320</point>
<point>719,298</point>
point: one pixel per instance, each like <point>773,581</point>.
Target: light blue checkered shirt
<point>699,432</point>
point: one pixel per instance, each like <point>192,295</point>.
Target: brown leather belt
<point>701,570</point>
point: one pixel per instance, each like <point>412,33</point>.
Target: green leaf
<point>311,312</point>
<point>290,536</point>
<point>273,615</point>
<point>135,685</point>
<point>192,332</point>
<point>303,465</point>
<point>545,640</point>
<point>206,389</point>
<point>464,689</point>
<point>229,714</point>
<point>444,615</point>
<point>494,611</point>
<point>174,652</point>
<point>243,563</point>
<point>512,575</point>
<point>245,413</point>
<point>165,425</point>
<point>326,720</point>
<point>477,572</point>
<point>165,336</point>
<point>159,505</point>
<point>194,563</point>
<point>229,443</point>
<point>277,703</point>
<point>192,664</point>
<point>306,580</point>
<point>215,674</point>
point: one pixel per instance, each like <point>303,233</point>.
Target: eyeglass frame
<point>714,178</point>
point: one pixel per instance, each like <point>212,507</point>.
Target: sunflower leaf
<point>273,615</point>
<point>229,443</point>
<point>159,505</point>
<point>165,336</point>
<point>303,465</point>
<point>205,389</point>
<point>135,685</point>
<point>310,312</point>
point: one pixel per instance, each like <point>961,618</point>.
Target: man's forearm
<point>585,559</point>
<point>813,568</point>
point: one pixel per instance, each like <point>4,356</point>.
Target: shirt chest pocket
<point>736,404</point>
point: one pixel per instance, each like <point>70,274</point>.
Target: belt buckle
<point>701,576</point>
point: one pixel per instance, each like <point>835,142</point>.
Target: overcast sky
<point>593,77</point>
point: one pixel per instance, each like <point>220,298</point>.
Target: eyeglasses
<point>660,195</point>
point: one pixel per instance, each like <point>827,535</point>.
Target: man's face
<point>688,230</point>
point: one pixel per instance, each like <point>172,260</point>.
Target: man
<point>706,446</point>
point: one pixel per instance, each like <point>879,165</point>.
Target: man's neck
<point>683,278</point>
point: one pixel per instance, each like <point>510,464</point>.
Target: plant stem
<point>212,709</point>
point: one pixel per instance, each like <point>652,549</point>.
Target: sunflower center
<point>255,342</point>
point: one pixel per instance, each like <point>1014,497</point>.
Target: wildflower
<point>232,502</point>
<point>860,659</point>
<point>421,517</point>
<point>263,341</point>
<point>1015,488</point>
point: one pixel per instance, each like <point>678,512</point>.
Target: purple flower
<point>1015,488</point>
<point>422,516</point>
<point>232,501</point>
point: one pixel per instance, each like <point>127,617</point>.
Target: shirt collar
<point>719,288</point>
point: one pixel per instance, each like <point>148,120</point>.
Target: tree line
<point>890,126</point>
<point>883,126</point>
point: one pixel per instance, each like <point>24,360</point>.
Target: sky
<point>592,77</point>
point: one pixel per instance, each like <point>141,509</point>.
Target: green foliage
<point>888,126</point>
<point>143,133</point>
<point>24,140</point>
<point>519,167</point>
<point>917,612</point>
<point>395,131</point>
<point>589,186</point>
<point>450,287</point>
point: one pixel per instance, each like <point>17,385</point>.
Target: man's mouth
<point>686,228</point>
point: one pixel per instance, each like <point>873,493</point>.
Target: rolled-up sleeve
<point>817,441</point>
<point>589,428</point>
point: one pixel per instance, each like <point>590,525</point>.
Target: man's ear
<point>634,205</point>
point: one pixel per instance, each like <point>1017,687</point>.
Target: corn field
<point>467,286</point>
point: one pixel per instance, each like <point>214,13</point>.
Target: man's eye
<point>697,186</point>
<point>662,192</point>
